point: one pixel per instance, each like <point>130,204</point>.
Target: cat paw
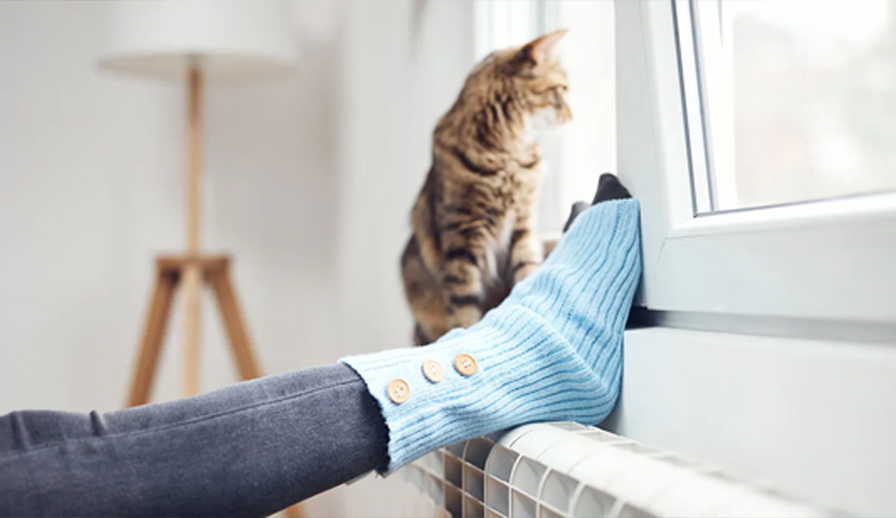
<point>465,316</point>
<point>524,271</point>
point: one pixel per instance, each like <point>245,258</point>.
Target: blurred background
<point>308,179</point>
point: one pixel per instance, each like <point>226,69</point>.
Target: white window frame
<point>833,260</point>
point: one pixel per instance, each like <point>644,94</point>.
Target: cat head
<point>526,83</point>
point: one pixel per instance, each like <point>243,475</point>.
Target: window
<point>797,102</point>
<point>757,136</point>
<point>692,130</point>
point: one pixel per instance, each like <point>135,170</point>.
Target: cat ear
<point>540,49</point>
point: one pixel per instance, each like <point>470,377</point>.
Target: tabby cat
<point>473,222</point>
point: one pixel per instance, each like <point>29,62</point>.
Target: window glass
<point>799,98</point>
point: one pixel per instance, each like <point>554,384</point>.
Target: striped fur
<point>473,221</point>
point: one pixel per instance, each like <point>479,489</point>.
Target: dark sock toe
<point>610,188</point>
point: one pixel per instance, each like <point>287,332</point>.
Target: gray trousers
<point>250,449</point>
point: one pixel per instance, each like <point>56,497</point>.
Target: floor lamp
<point>196,42</point>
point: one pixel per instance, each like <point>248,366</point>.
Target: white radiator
<point>570,470</point>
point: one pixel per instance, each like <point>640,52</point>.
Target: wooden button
<point>433,371</point>
<point>465,364</point>
<point>399,391</point>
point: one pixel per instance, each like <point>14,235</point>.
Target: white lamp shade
<point>227,39</point>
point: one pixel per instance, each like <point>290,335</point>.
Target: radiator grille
<point>570,470</point>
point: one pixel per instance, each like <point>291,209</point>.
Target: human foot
<point>551,351</point>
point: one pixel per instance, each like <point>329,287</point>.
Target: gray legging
<point>250,449</point>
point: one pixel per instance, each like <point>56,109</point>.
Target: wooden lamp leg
<point>242,348</point>
<point>193,273</point>
<point>192,286</point>
<point>154,332</point>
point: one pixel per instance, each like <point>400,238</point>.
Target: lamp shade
<point>229,40</point>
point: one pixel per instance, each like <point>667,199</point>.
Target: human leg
<point>246,450</point>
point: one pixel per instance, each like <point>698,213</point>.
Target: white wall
<point>91,187</point>
<point>813,418</point>
<point>89,190</point>
<point>309,182</point>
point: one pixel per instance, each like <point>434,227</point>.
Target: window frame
<point>830,259</point>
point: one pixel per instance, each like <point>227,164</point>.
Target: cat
<point>474,233</point>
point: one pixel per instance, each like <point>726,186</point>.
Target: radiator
<point>569,470</point>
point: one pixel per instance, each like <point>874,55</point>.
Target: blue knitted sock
<point>551,351</point>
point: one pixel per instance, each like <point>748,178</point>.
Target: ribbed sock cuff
<point>524,372</point>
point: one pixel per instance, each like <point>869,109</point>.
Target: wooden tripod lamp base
<point>189,273</point>
<point>172,272</point>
